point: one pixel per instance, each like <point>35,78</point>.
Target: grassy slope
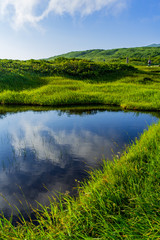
<point>119,54</point>
<point>120,202</point>
<point>135,90</point>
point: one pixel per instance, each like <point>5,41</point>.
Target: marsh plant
<point>68,82</point>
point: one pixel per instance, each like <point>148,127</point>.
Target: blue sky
<point>44,28</point>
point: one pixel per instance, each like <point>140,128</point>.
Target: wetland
<point>45,153</point>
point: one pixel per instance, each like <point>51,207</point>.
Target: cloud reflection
<point>45,156</point>
<point>58,146</point>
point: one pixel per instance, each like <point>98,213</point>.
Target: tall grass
<point>81,83</point>
<point>121,201</point>
<point>140,91</point>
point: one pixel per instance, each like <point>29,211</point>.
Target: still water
<point>46,152</point>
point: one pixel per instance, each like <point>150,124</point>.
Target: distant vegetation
<point>81,68</point>
<point>137,56</point>
<point>153,45</point>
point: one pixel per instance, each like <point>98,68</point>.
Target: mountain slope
<point>121,53</point>
<point>153,45</point>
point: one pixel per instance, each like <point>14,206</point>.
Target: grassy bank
<point>79,82</point>
<point>122,201</point>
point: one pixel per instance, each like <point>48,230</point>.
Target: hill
<point>153,45</point>
<point>138,55</point>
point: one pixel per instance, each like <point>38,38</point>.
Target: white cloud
<point>19,12</point>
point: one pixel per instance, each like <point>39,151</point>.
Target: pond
<point>43,153</point>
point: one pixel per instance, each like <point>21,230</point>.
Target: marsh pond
<point>48,151</point>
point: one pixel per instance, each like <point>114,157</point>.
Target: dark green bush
<point>62,66</point>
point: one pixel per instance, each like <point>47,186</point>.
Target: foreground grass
<point>122,201</point>
<point>139,90</point>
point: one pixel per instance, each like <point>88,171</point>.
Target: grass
<point>138,91</point>
<point>18,82</point>
<point>121,201</point>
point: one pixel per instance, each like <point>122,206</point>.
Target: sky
<point>35,29</point>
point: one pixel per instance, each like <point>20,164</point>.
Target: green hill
<point>138,55</point>
<point>153,45</point>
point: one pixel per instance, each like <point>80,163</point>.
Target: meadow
<point>120,201</point>
<point>66,82</point>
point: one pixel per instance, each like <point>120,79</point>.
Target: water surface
<point>49,151</point>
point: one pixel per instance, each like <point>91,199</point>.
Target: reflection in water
<point>54,148</point>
